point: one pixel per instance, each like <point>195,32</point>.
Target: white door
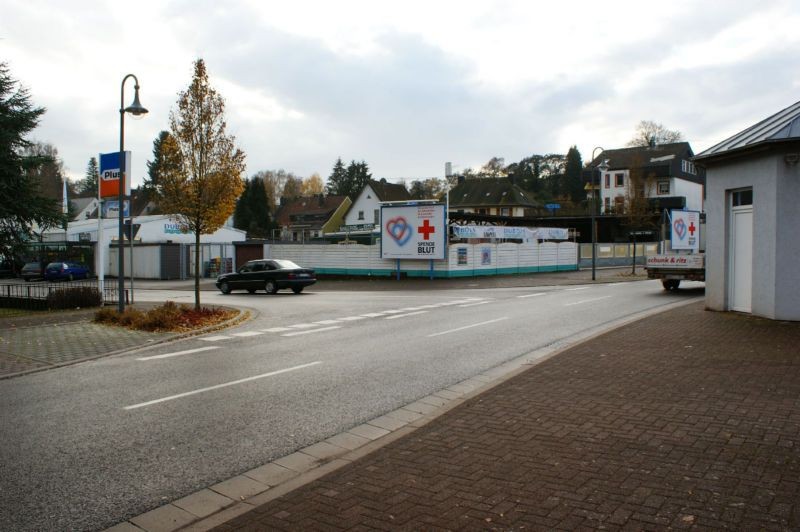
<point>741,259</point>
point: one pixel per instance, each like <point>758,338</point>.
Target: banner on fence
<point>510,233</point>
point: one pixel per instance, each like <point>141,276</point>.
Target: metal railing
<point>36,295</point>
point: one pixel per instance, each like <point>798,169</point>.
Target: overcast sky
<point>404,85</point>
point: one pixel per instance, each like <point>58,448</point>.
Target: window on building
<point>607,203</point>
<point>619,204</point>
<point>505,211</point>
<point>360,215</point>
<point>376,216</point>
<point>663,188</point>
<point>619,180</point>
<point>688,167</point>
<point>608,180</point>
<point>742,197</point>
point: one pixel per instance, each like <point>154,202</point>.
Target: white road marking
<point>277,329</point>
<point>373,315</point>
<point>352,318</point>
<point>223,385</point>
<point>537,294</point>
<point>312,331</point>
<point>574,289</point>
<point>585,301</point>
<point>393,311</point>
<point>468,327</point>
<point>248,333</point>
<point>405,315</point>
<point>214,338</point>
<point>179,353</point>
<point>473,304</point>
<point>303,325</point>
<point>326,322</point>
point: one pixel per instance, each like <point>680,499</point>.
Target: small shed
<point>753,217</point>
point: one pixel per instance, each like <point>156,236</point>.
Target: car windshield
<point>286,264</point>
<point>54,266</point>
<point>31,266</point>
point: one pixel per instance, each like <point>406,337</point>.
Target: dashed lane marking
<point>327,322</point>
<point>312,331</point>
<point>468,327</point>
<point>575,289</point>
<point>215,338</point>
<point>405,315</point>
<point>277,329</point>
<point>179,353</point>
<point>248,333</point>
<point>537,294</point>
<point>473,304</point>
<point>585,301</point>
<point>223,385</point>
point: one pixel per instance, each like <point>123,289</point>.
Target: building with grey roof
<point>753,217</point>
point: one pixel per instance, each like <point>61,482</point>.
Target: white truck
<point>682,257</point>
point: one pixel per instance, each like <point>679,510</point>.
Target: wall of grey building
<point>760,173</point>
<point>787,259</point>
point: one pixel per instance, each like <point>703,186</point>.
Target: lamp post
<point>135,109</point>
<point>603,166</point>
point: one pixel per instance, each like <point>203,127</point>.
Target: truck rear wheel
<point>671,284</point>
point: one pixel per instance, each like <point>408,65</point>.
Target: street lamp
<point>135,109</point>
<point>603,166</point>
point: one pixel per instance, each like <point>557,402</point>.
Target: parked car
<point>7,269</point>
<point>65,271</point>
<point>270,275</point>
<point>32,271</point>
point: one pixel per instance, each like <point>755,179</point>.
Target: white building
<point>152,236</point>
<point>666,172</point>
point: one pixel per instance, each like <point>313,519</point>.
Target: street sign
<point>552,206</point>
<point>110,174</point>
<point>413,231</point>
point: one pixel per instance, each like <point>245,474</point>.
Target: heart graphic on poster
<point>399,230</point>
<point>680,228</point>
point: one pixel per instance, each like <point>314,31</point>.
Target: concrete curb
<point>218,504</point>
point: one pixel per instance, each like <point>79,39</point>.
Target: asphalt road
<point>87,446</point>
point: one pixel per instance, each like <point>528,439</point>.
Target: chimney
<point>460,179</point>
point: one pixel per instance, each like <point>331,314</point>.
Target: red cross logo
<point>426,229</point>
<point>692,228</point>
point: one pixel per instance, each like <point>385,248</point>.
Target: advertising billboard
<point>109,174</point>
<point>412,231</point>
<point>685,230</point>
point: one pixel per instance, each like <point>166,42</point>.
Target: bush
<point>74,297</point>
<point>164,318</point>
<point>167,317</point>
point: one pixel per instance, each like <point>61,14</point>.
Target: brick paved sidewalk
<point>688,419</point>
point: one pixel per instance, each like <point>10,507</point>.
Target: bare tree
<point>649,132</point>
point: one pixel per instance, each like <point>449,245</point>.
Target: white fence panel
<point>475,259</point>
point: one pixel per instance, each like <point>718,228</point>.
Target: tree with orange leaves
<point>201,188</point>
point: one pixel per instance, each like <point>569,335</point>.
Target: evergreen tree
<point>337,181</point>
<point>357,178</point>
<point>252,212</point>
<point>89,183</point>
<point>161,165</point>
<point>21,204</point>
<point>572,176</point>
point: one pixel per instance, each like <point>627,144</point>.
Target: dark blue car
<point>65,271</point>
